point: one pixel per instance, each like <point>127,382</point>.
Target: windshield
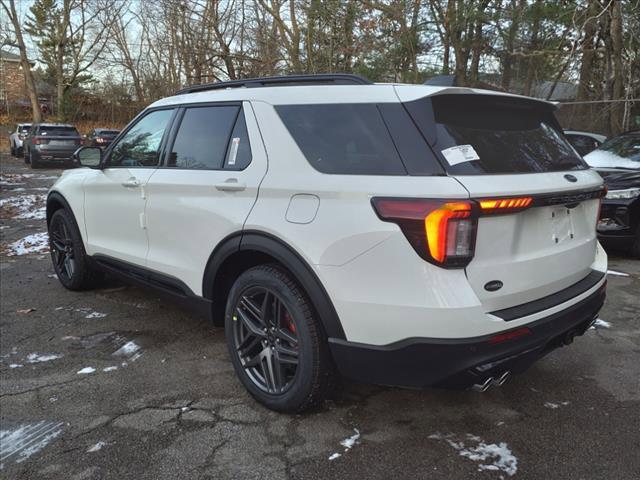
<point>489,134</point>
<point>619,152</point>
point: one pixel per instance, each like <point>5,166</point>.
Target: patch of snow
<point>551,405</point>
<point>333,456</point>
<point>53,275</point>
<point>35,358</point>
<point>24,207</point>
<point>22,442</point>
<point>493,457</point>
<point>599,323</point>
<point>109,369</point>
<point>95,315</point>
<point>96,447</point>
<point>86,370</point>
<point>619,274</point>
<point>348,443</point>
<point>34,243</point>
<point>16,365</point>
<point>131,350</point>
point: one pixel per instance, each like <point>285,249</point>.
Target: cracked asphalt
<point>160,399</point>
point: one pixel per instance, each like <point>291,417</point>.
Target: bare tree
<point>10,8</point>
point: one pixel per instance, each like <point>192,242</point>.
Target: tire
<point>635,246</point>
<point>70,261</point>
<point>291,388</point>
<point>13,151</point>
<point>32,161</point>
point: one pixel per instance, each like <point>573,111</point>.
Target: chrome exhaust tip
<point>498,382</point>
<point>484,386</point>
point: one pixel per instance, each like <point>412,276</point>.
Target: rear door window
<point>203,137</point>
<point>343,138</point>
<point>490,134</point>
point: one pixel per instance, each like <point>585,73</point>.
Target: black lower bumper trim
<point>459,363</point>
<point>550,301</point>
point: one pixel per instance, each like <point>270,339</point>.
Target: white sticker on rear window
<point>459,154</point>
<point>235,143</point>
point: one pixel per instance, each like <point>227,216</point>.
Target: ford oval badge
<point>493,285</point>
<point>570,178</point>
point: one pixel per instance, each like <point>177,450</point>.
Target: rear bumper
<point>459,363</point>
<point>53,155</point>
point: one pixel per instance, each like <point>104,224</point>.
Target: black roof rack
<point>284,80</point>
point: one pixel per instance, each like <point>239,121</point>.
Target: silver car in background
<point>17,137</point>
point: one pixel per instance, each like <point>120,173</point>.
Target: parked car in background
<point>100,137</point>
<point>50,142</point>
<point>17,138</point>
<point>409,235</point>
<point>618,162</point>
<point>584,142</point>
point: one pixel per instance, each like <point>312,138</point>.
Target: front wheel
<point>70,261</point>
<point>277,346</point>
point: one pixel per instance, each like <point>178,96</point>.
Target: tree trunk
<point>24,63</point>
<point>533,47</point>
<point>618,69</point>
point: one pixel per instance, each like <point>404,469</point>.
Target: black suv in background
<point>50,142</point>
<point>618,162</point>
<point>100,137</point>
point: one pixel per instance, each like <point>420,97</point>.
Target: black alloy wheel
<point>70,261</point>
<point>265,340</point>
<point>61,245</point>
<point>276,341</point>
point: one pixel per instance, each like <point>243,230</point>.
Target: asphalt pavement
<point>118,383</point>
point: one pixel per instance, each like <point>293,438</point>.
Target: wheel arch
<point>243,250</point>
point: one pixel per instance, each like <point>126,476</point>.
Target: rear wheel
<point>276,344</point>
<point>635,246</point>
<point>13,151</point>
<point>70,261</point>
<point>32,161</point>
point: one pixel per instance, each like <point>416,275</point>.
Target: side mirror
<point>88,157</point>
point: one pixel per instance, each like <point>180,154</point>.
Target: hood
<point>618,179</point>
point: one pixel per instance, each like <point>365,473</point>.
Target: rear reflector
<point>506,336</point>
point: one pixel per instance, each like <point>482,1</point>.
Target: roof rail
<point>284,80</point>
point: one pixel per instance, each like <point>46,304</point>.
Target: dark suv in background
<point>100,137</point>
<point>50,142</point>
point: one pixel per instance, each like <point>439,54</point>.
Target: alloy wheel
<point>61,247</point>
<point>265,340</point>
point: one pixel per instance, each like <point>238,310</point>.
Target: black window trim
<point>133,123</point>
<point>164,164</point>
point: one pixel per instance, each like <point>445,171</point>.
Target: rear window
<point>486,134</point>
<point>112,133</point>
<point>23,128</point>
<point>625,146</point>
<point>343,138</point>
<point>58,132</point>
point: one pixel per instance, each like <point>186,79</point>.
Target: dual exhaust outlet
<point>491,382</point>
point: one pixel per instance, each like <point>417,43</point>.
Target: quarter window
<point>343,138</point>
<point>140,146</point>
<point>202,141</point>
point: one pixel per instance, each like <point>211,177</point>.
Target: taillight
<point>441,232</point>
<point>40,140</point>
<point>100,140</point>
<point>504,205</point>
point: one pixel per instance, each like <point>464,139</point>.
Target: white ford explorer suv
<point>407,235</point>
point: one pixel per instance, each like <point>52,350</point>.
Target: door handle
<point>131,183</point>
<point>231,185</point>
